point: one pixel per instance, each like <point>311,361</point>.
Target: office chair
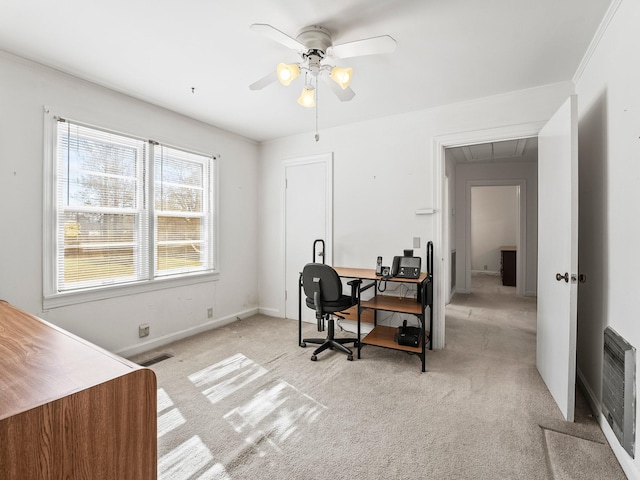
<point>323,290</point>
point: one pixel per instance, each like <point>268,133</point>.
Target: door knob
<point>564,277</point>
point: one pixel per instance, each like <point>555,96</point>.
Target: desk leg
<point>359,337</point>
<point>430,327</point>
<point>423,354</point>
<point>300,311</point>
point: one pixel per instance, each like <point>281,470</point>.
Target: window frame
<point>52,297</point>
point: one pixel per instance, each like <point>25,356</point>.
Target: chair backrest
<point>330,284</point>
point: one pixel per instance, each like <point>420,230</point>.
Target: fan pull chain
<point>317,102</point>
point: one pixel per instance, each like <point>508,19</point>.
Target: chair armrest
<point>355,289</point>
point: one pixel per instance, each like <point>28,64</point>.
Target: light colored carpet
<point>244,401</point>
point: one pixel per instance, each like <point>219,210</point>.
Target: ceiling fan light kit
<point>307,97</point>
<point>342,76</point>
<point>287,73</point>
<point>315,47</point>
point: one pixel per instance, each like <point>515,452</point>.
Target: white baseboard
<point>624,459</point>
<point>172,337</point>
<point>484,272</point>
<point>590,396</point>
<point>451,294</point>
<point>269,312</point>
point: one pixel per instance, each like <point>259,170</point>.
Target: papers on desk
<point>352,326</point>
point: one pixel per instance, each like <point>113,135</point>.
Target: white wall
<point>494,223</point>
<point>24,89</point>
<point>488,174</point>
<point>383,172</point>
<point>609,152</point>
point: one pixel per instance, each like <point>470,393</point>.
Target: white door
<point>558,255</point>
<point>308,210</point>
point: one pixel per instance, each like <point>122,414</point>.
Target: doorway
<point>509,167</point>
<point>308,207</point>
<point>495,233</point>
<point>557,167</point>
<point>449,207</point>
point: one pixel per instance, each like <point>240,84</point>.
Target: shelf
<point>352,314</point>
<point>382,336</point>
<point>393,304</point>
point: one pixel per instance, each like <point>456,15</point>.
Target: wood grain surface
<point>69,409</point>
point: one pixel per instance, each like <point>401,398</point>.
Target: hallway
<point>499,325</point>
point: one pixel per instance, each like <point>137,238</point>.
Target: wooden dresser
<point>508,265</point>
<point>69,409</point>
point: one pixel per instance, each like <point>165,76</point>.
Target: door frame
<point>327,159</point>
<point>521,243</point>
<point>440,143</point>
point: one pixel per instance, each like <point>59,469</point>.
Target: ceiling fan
<point>316,50</point>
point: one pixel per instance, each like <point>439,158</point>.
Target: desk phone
<point>406,267</point>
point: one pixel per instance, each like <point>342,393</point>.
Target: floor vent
<point>619,389</point>
<point>154,360</point>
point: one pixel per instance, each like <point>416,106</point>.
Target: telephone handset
<point>379,266</point>
<point>394,266</point>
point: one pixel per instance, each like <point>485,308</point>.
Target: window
<point>181,213</point>
<point>125,211</point>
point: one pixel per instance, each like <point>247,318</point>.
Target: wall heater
<point>619,388</point>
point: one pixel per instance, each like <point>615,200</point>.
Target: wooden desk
<point>69,409</point>
<point>370,274</point>
<point>384,336</point>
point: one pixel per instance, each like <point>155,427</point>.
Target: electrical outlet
<point>416,242</point>
<point>143,330</point>
<point>209,312</point>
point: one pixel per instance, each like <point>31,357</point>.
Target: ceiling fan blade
<point>277,36</point>
<point>367,46</point>
<point>268,79</point>
<point>344,95</point>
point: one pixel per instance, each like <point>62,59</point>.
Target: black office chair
<point>323,290</point>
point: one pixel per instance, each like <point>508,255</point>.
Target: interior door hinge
<point>285,295</point>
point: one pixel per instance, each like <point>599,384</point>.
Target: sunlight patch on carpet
<point>187,460</point>
<point>265,415</point>
<point>274,415</point>
<point>164,401</point>
<point>171,419</point>
<point>226,377</point>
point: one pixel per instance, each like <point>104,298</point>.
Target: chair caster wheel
<point>350,358</point>
<point>303,345</point>
<point>313,358</point>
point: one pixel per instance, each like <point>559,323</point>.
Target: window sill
<point>103,293</point>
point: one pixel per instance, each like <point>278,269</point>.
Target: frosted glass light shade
<point>307,97</point>
<point>342,76</point>
<point>287,73</point>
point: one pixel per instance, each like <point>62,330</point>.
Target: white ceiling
<point>520,150</point>
<point>158,50</point>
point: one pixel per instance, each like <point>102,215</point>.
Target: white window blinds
<point>182,199</point>
<point>101,221</point>
<point>128,210</point>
